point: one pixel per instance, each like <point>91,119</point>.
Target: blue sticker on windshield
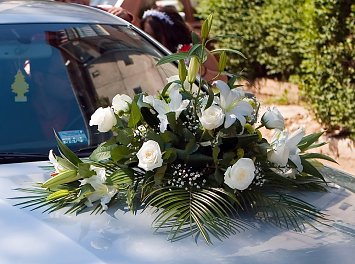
<point>73,137</point>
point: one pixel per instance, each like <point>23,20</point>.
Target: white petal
<point>230,119</point>
<point>163,123</point>
<point>224,93</point>
<point>295,138</point>
<point>243,108</point>
<point>297,161</point>
<point>279,155</point>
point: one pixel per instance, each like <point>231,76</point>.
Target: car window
<point>54,76</point>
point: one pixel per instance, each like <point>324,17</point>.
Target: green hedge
<point>270,33</point>
<point>308,40</point>
<point>327,77</point>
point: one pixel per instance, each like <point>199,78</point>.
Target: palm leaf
<point>283,210</point>
<point>205,212</point>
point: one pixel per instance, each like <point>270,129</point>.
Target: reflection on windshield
<point>63,73</point>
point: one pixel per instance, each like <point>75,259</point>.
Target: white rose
<point>285,147</point>
<point>121,102</point>
<point>104,118</point>
<point>240,175</point>
<point>272,118</point>
<point>149,156</point>
<point>212,117</point>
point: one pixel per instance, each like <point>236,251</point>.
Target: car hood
<point>120,237</point>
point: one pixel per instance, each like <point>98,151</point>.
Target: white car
<point>58,59</point>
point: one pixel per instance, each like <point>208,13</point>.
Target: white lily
<point>284,147</point>
<point>57,166</point>
<point>176,85</point>
<point>102,192</point>
<point>231,101</point>
<point>176,105</point>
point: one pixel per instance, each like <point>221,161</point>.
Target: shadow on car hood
<point>120,237</point>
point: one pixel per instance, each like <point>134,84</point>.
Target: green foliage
<point>310,39</point>
<point>269,33</point>
<point>328,72</point>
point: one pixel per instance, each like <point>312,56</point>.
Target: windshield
<point>54,76</point>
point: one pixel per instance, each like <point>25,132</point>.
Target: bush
<point>270,33</point>
<point>327,77</point>
<point>237,17</point>
<point>307,39</point>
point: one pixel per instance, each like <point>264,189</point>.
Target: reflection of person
<point>167,26</point>
<point>117,11</point>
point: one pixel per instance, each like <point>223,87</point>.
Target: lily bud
<point>206,27</point>
<point>62,177</point>
<point>272,118</point>
<point>57,195</point>
<point>222,61</point>
<point>182,70</point>
<point>193,69</point>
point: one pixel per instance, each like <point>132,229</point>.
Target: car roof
<point>17,12</point>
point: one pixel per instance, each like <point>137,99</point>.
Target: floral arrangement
<point>194,154</point>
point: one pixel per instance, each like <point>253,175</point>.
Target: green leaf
<point>159,175</point>
<point>169,137</point>
<point>310,169</point>
<point>317,156</point>
<point>151,135</point>
<point>229,50</point>
<point>66,152</point>
<point>173,57</point>
<point>309,140</point>
<point>195,50</point>
<point>124,136</point>
<point>232,81</point>
<point>191,146</point>
<point>133,201</point>
<point>66,163</point>
<point>102,152</point>
<point>120,152</point>
<point>172,120</point>
<point>198,159</point>
<point>169,155</point>
<point>218,176</point>
<point>195,38</point>
<point>135,115</point>
<point>121,177</point>
<point>210,98</point>
<point>316,145</point>
<point>84,170</point>
<point>227,158</point>
<point>215,153</point>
